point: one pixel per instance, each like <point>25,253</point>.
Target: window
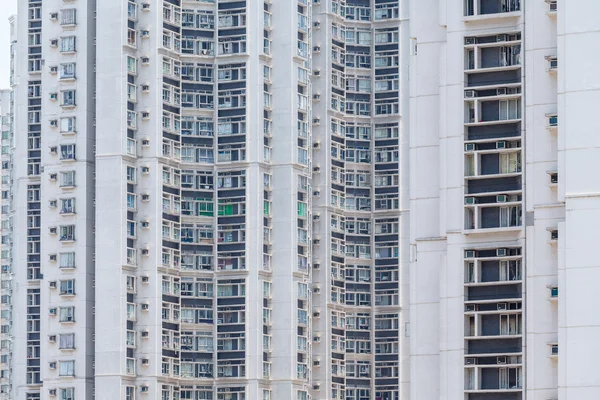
<point>67,125</point>
<point>129,393</point>
<point>67,260</point>
<point>67,341</point>
<point>67,287</point>
<point>67,206</point>
<point>131,65</point>
<point>67,393</point>
<point>67,44</point>
<point>131,92</point>
<point>66,314</point>
<point>67,152</point>
<point>68,17</point>
<point>131,174</point>
<point>68,98</point>
<point>67,232</point>
<point>67,178</point>
<point>66,368</point>
<point>67,71</point>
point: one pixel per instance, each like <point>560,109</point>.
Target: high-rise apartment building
<point>273,200</point>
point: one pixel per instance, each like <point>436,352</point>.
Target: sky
<point>7,8</point>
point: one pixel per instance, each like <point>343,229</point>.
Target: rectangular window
<point>68,98</point>
<point>67,393</point>
<point>67,178</point>
<point>67,232</point>
<point>67,125</point>
<point>131,65</point>
<point>67,71</point>
<point>129,393</point>
<point>66,368</point>
<point>67,152</point>
<point>68,16</point>
<point>67,314</point>
<point>67,260</point>
<point>67,44</point>
<point>67,206</point>
<point>67,287</point>
<point>67,341</point>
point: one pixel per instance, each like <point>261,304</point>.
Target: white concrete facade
<point>326,199</point>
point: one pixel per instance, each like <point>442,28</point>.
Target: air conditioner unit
<point>52,230</point>
<point>501,91</point>
<point>554,235</point>
<point>554,177</point>
<point>52,338</point>
<point>316,169</point>
<point>316,96</point>
<point>317,314</point>
<point>145,88</point>
<point>53,177</point>
<point>145,142</point>
<point>53,150</point>
<point>470,93</point>
<point>501,144</point>
<point>145,197</point>
<point>53,96</point>
<point>501,360</point>
<point>316,266</point>
<point>52,257</point>
<point>145,361</point>
<point>52,392</point>
<point>204,52</point>
<point>501,198</point>
<point>316,290</point>
<point>53,123</point>
<point>54,16</point>
<point>52,203</point>
<point>52,311</point>
<point>501,38</point>
<point>316,121</point>
<point>145,115</point>
<point>145,307</point>
<point>502,306</point>
<point>145,252</point>
<point>469,253</point>
<point>145,224</point>
<point>145,279</point>
<point>52,365</point>
<point>316,72</point>
<point>53,69</point>
<point>469,146</point>
<point>145,33</point>
<point>501,252</point>
<point>470,40</point>
<point>145,334</point>
<point>316,218</point>
<point>145,60</point>
<point>317,49</point>
<point>470,200</point>
<point>145,389</point>
<point>316,241</point>
<point>470,307</point>
<point>316,193</point>
<point>316,387</point>
<point>54,43</point>
<point>146,6</point>
<point>469,361</point>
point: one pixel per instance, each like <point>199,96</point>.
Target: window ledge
<point>491,17</point>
